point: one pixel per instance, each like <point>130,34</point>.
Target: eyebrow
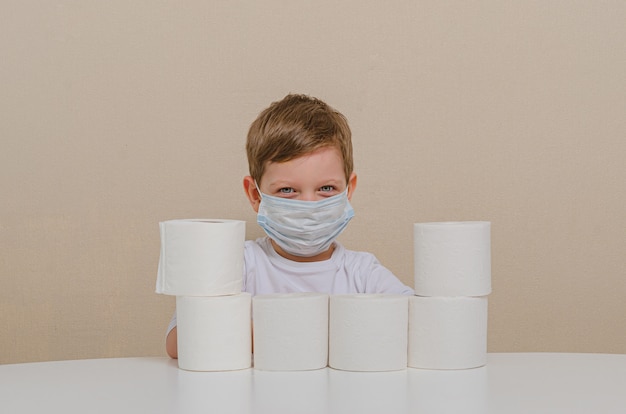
<point>280,184</point>
<point>332,181</point>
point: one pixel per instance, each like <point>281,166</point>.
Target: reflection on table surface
<point>509,383</point>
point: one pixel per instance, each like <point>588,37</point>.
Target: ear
<point>252,192</point>
<point>351,185</point>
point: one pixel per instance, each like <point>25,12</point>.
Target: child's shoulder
<point>260,243</point>
<point>357,257</point>
<point>257,247</point>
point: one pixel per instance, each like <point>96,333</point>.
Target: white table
<point>510,383</point>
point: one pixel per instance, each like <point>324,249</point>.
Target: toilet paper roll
<point>452,258</point>
<point>368,332</point>
<point>290,331</point>
<point>201,257</point>
<point>214,332</point>
<point>447,332</point>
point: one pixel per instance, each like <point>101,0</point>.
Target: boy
<point>300,185</point>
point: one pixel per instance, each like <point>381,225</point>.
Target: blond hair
<point>294,126</point>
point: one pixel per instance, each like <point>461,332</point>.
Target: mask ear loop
<point>258,189</point>
<point>348,192</point>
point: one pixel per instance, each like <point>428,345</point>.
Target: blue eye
<point>286,190</point>
<point>327,188</point>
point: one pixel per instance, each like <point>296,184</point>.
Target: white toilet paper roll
<point>447,332</point>
<point>452,258</point>
<point>368,332</point>
<point>214,332</point>
<point>290,331</point>
<point>201,257</point>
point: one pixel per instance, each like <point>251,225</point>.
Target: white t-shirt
<point>347,271</point>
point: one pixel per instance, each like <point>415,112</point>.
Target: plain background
<point>117,115</point>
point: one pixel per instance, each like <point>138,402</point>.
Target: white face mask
<point>304,228</point>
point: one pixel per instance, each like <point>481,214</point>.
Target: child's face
<point>311,177</point>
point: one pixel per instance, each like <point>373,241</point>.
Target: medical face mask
<point>304,228</point>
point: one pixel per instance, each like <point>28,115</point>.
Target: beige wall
<point>117,115</point>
